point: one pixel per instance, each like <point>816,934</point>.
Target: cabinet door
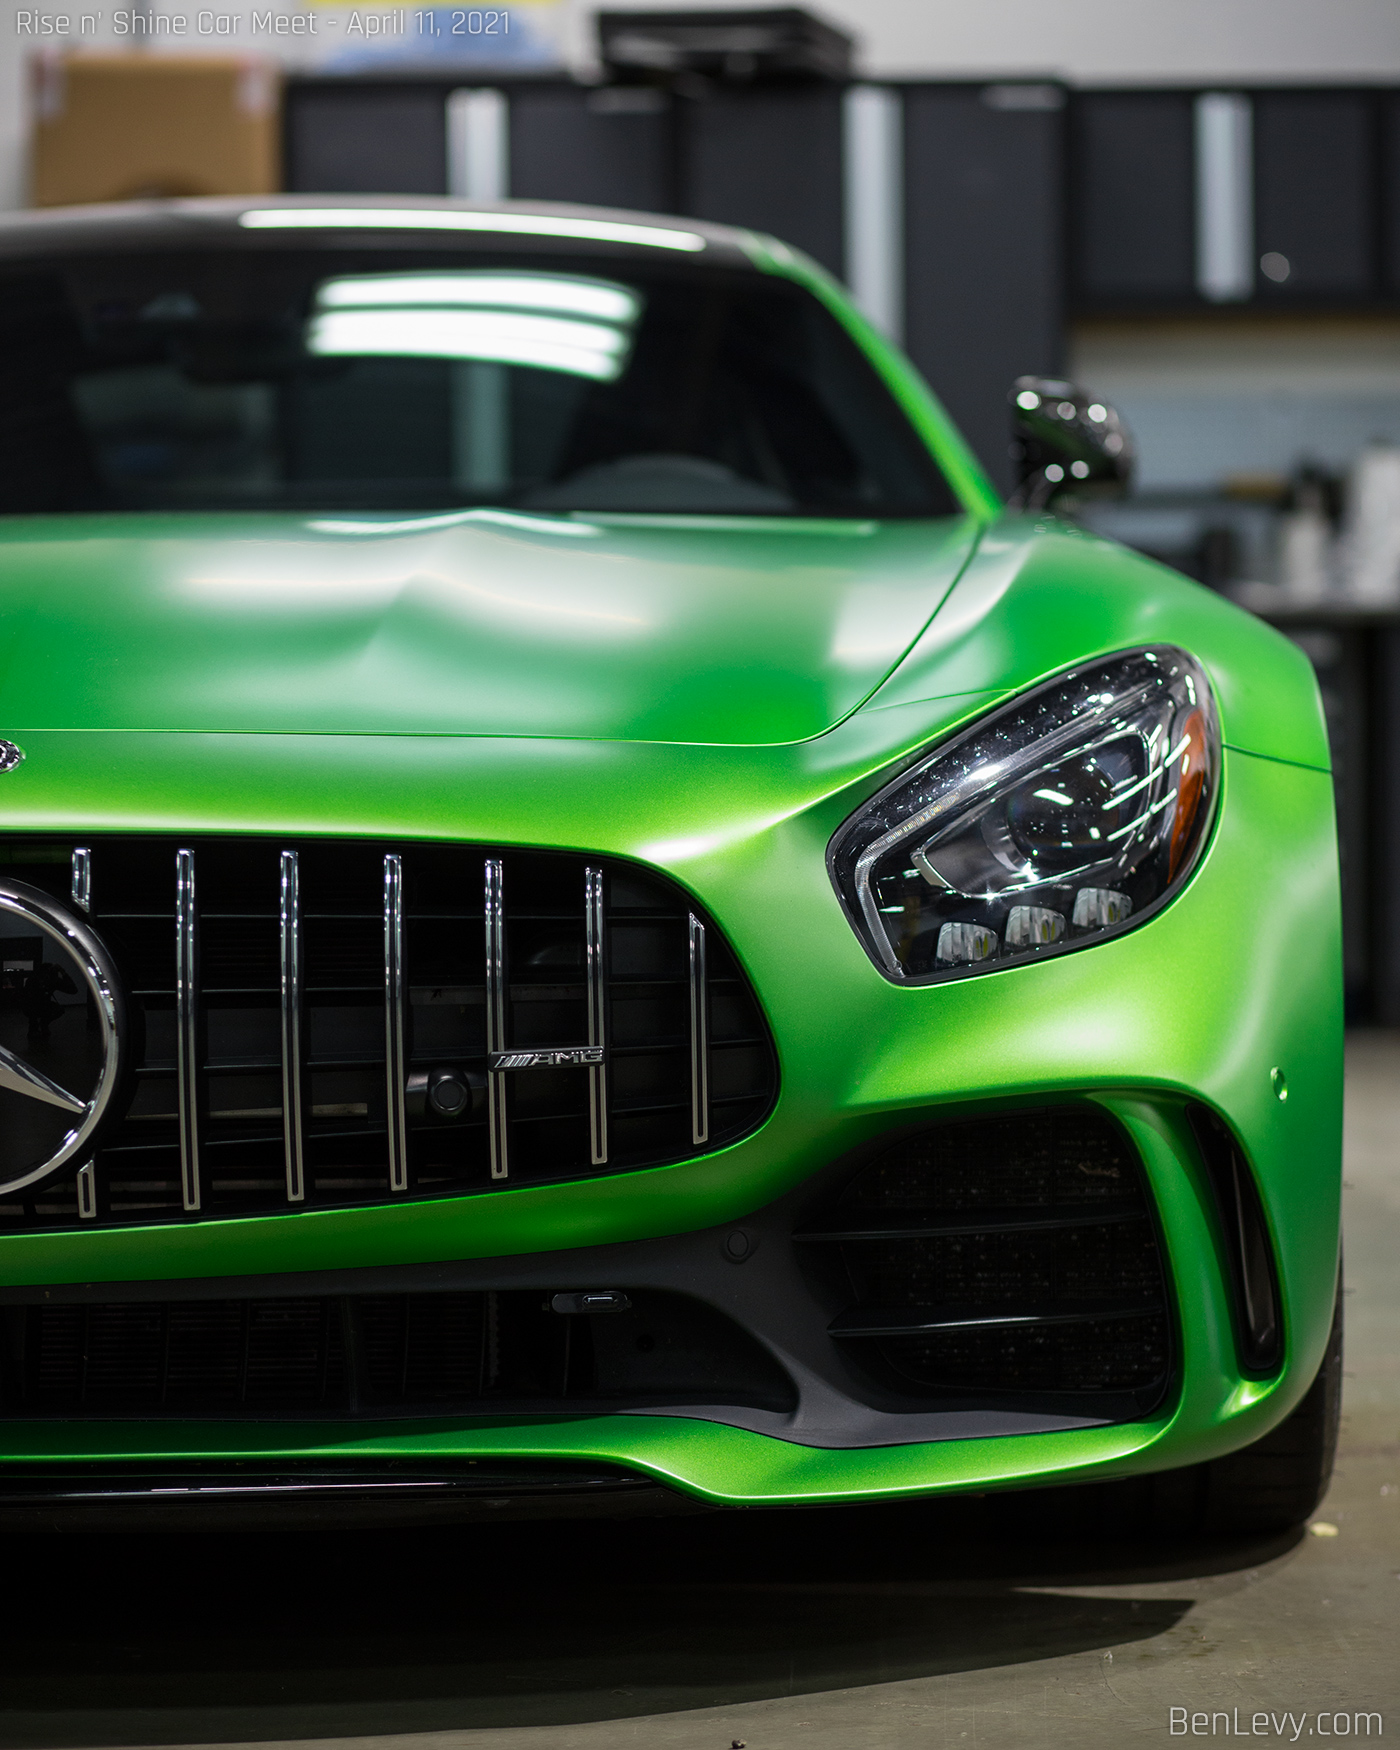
<point>1133,197</point>
<point>1390,193</point>
<point>984,249</point>
<point>344,138</point>
<point>1314,195</point>
<point>768,159</point>
<point>606,148</point>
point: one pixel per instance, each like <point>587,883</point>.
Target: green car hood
<point>658,629</point>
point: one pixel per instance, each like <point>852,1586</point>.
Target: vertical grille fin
<point>395,1025</point>
<point>187,1027</point>
<point>496,1014</point>
<point>80,885</point>
<point>293,1070</point>
<point>596,927</point>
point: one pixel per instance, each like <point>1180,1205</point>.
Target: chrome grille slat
<point>395,1024</point>
<point>596,925</point>
<point>293,1072</point>
<point>188,1054</point>
<point>80,884</point>
<point>495,946</point>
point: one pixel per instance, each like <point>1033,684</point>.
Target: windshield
<point>422,378</point>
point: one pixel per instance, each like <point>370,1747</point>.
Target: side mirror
<point>1065,440</point>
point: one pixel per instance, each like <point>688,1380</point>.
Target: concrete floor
<point>994,1624</point>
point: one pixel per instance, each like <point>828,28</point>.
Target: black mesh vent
<point>1014,1255</point>
<point>592,952</point>
<point>367,1355</point>
<point>1063,1155</point>
<point>1099,1355</point>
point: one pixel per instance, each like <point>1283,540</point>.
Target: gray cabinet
<point>769,158</point>
<point>612,147</point>
<point>1317,215</point>
<point>1133,197</point>
<point>984,253</point>
<point>351,136</point>
<point>1389,158</point>
<point>1315,195</point>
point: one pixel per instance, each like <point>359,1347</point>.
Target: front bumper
<point>1237,977</point>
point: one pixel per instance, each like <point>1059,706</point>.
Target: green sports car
<point>591,922</point>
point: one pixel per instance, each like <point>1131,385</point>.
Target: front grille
<point>336,1356</point>
<point>324,1023</point>
<point>1014,1256</point>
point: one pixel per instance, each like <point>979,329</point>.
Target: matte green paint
<point>647,629</point>
<point>759,681</point>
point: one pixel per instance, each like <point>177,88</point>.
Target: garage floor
<point>1006,1624</point>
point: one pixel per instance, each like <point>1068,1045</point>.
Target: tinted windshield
<point>423,378</point>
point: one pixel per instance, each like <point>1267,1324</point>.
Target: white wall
<point>1215,397</point>
<point>1105,41</point>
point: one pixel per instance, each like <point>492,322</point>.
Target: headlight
<point>1067,816</point>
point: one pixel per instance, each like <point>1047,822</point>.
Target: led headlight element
<point>1069,815</point>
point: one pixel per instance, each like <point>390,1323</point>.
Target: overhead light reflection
<point>547,607</point>
<point>449,219</point>
<point>545,321</point>
<point>547,343</point>
<point>508,519</point>
<point>561,293</point>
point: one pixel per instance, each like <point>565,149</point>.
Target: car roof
<point>272,221</point>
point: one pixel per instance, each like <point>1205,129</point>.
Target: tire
<point>1277,1482</point>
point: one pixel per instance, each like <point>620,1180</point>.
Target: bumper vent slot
<point>1249,1254</point>
<point>1013,1257</point>
<point>327,1023</point>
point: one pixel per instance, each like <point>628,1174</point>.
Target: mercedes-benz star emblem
<point>10,756</point>
<point>61,1035</point>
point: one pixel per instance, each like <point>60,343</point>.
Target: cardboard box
<point>111,127</point>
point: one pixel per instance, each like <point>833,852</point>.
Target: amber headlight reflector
<point>1065,817</point>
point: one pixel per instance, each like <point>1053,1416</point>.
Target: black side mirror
<point>1065,440</point>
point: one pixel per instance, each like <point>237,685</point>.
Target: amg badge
<point>548,1057</point>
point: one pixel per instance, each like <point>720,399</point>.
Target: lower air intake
<point>339,1356</point>
<point>1014,1257</point>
